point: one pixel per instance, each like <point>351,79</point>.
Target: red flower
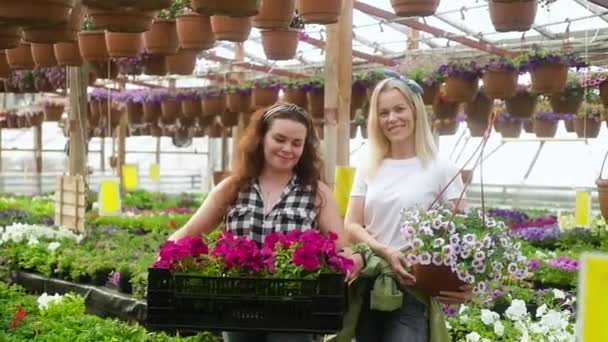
<point>18,318</point>
<point>307,257</point>
<point>173,223</point>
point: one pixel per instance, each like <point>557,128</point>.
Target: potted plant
<point>448,126</point>
<point>62,32</point>
<point>41,82</point>
<point>238,8</point>
<point>358,95</point>
<point>53,110</point>
<point>508,126</point>
<point>133,101</point>
<point>213,101</point>
<point>22,81</point>
<point>10,36</point>
<point>238,97</point>
<point>448,250</point>
<point>274,14</point>
<point>478,111</point>
<point>20,57</point>
<point>190,102</point>
<point>569,100</point>
<point>92,42</point>
<point>522,104</point>
<point>513,15</point>
<point>588,120</point>
<point>282,43</point>
<point>132,65</point>
<point>549,69</point>
<point>429,78</point>
<point>68,53</point>
<point>181,63</point>
<point>598,80</point>
<point>294,91</point>
<point>414,8</point>
<point>545,121</point>
<point>162,38</point>
<point>170,107</point>
<point>444,109</point>
<point>500,78</point>
<point>462,80</point>
<point>265,92</point>
<point>43,55</point>
<point>123,44</point>
<point>155,65</point>
<point>126,19</point>
<point>315,94</point>
<point>151,107</point>
<point>5,70</point>
<point>319,11</point>
<point>232,29</point>
<point>194,31</point>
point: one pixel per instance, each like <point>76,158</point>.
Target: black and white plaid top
<point>294,210</point>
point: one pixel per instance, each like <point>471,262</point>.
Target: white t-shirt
<point>399,184</point>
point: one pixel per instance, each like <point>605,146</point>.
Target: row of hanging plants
<point>22,118</point>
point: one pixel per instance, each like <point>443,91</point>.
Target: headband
<point>415,87</point>
<point>286,108</point>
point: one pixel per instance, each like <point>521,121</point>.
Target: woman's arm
<point>209,214</point>
<point>329,215</point>
<point>357,233</point>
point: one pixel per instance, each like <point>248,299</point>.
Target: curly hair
<point>250,154</point>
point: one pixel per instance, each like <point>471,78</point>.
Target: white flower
<point>426,231</point>
<point>462,309</point>
<point>473,337</point>
<point>54,245</point>
<point>499,328</point>
<point>553,320</point>
<point>412,259</point>
<point>464,318</point>
<point>488,317</point>
<point>541,310</point>
<point>425,258</point>
<point>437,259</point>
<point>417,243</point>
<point>437,223</point>
<point>525,337</point>
<point>469,238</point>
<point>44,300</point>
<point>408,231</point>
<point>454,239</point>
<point>485,340</point>
<point>447,325</point>
<point>558,294</point>
<point>33,241</point>
<point>517,310</point>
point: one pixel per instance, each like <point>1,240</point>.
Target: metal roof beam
<point>251,66</point>
<point>369,57</point>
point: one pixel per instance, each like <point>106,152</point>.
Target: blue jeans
<point>407,324</point>
<point>265,337</point>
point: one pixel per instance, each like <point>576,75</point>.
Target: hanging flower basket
<point>92,45</point>
<point>214,103</point>
<point>319,11</point>
<point>194,32</point>
<point>500,79</point>
<point>232,29</point>
<point>67,54</point>
<point>414,8</point>
<point>569,124</point>
<point>170,109</point>
<point>510,129</point>
<point>549,78</point>
<point>478,113</point>
<point>522,105</point>
<point>152,112</point>
<point>155,65</point>
<point>94,113</point>
<point>357,97</point>
<point>462,81</point>
<point>239,101</point>
<point>229,119</point>
<point>477,128</point>
<point>295,95</point>
<point>544,128</point>
<point>316,103</point>
<point>280,44</point>
<point>602,191</point>
<point>190,101</point>
<point>43,55</point>
<point>35,12</point>
<point>123,44</point>
<point>5,70</point>
<point>512,15</point>
<point>274,14</point>
<point>182,63</point>
<point>206,121</point>
<point>446,126</point>
<point>233,8</point>
<point>53,112</point>
<point>135,113</point>
<point>444,109</point>
<point>214,130</point>
<point>162,38</point>
<point>430,93</point>
<point>122,20</point>
<point>265,92</point>
<point>10,37</point>
<point>587,127</point>
<point>142,5</point>
<point>569,101</point>
<point>64,32</point>
<point>20,57</point>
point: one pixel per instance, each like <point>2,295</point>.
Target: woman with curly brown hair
<point>275,187</point>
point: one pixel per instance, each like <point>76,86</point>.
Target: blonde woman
<point>402,171</point>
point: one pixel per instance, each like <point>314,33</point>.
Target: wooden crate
<point>70,203</point>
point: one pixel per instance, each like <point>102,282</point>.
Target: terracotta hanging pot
<point>566,104</point>
<point>94,113</point>
<point>170,110</point>
<point>214,104</point>
<point>43,55</point>
<point>602,191</point>
<point>357,98</point>
<point>604,93</point>
<point>512,15</point>
<point>274,14</point>
<point>500,84</point>
<point>206,121</point>
<point>316,103</point>
<point>430,93</point>
<point>122,20</point>
<point>20,57</point>
<point>191,108</point>
<point>446,127</point>
<point>545,128</point>
<point>587,127</point>
<point>280,44</point>
<point>510,129</point>
<point>296,96</point>
<point>5,70</point>
<point>232,29</point>
<point>123,44</point>
<point>414,8</point>
<point>480,108</point>
<point>319,11</point>
<point>549,78</point>
<point>155,65</point>
<point>182,63</point>
<point>92,45</point>
<point>230,119</point>
<point>10,37</point>
<point>522,104</point>
<point>194,32</point>
<point>477,128</point>
<point>431,279</point>
<point>233,8</point>
<point>35,12</point>
<point>67,54</point>
<point>64,32</point>
<point>263,97</point>
<point>214,130</point>
<point>444,109</point>
<point>162,39</point>
<point>569,124</point>
<point>152,111</point>
<point>461,89</point>
<point>239,102</point>
<point>53,113</point>
<point>135,113</point>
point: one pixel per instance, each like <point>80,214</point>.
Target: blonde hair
<point>379,145</point>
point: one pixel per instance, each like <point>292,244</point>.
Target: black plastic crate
<point>193,302</point>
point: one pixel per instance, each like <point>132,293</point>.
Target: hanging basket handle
<point>603,164</point>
